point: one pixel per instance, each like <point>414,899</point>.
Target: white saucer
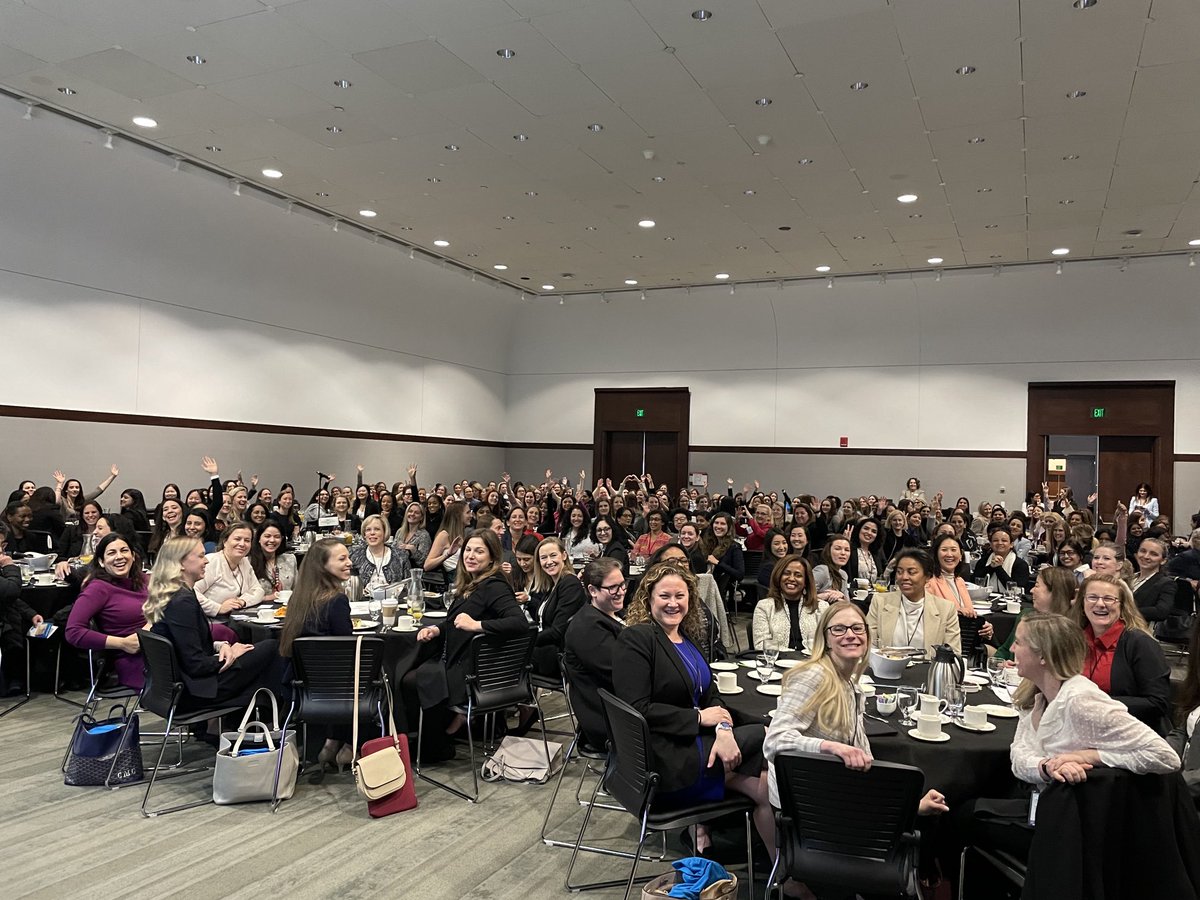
<point>942,738</point>
<point>748,664</point>
<point>723,666</point>
<point>990,726</point>
<point>370,627</point>
<point>976,679</point>
<point>435,614</point>
<point>1000,712</point>
<point>771,690</point>
<point>736,690</point>
<point>788,663</point>
<point>405,630</point>
<point>775,676</point>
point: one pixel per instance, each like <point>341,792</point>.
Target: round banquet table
<point>967,766</point>
<point>48,599</point>
<point>401,652</point>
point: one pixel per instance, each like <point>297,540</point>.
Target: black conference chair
<point>161,695</point>
<point>749,583</point>
<point>28,691</point>
<point>844,830</point>
<point>323,683</point>
<point>1007,866</point>
<point>498,677</point>
<point>972,643</point>
<point>99,664</point>
<point>556,685</point>
<point>630,781</point>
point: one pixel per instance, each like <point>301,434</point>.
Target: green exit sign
<point>1097,412</point>
<point>641,413</point>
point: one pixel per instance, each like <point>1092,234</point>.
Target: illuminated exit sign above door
<point>1097,412</point>
<point>641,413</point>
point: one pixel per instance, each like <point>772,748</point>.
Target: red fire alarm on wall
<point>843,441</point>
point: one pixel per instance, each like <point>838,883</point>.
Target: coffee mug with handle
<point>929,726</point>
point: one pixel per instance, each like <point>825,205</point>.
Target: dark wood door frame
<point>1145,408</point>
<point>666,409</point>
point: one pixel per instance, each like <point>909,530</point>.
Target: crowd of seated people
<point>509,552</point>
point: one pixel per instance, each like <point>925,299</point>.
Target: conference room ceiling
<point>1022,127</point>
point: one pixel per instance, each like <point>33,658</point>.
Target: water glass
<point>26,571</point>
<point>416,608</point>
<point>765,667</point>
<point>907,699</point>
<point>995,668</point>
<point>956,699</point>
<point>375,608</point>
<point>771,651</point>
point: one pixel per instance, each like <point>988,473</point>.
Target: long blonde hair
<point>831,714</point>
<point>1130,615</point>
<point>693,625</point>
<point>166,578</point>
<point>1059,642</point>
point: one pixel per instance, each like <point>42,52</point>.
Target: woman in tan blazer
<point>911,617</point>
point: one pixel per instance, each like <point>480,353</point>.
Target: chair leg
<point>445,787</point>
<point>554,796</point>
<point>152,813</point>
<point>28,694</point>
<point>771,878</point>
<point>636,856</point>
<point>57,663</point>
<point>749,853</point>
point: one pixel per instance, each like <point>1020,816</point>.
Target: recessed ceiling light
<point>520,137</point>
<point>500,267</point>
<point>1065,202</point>
<point>763,101</point>
<point>805,162</point>
<point>341,83</point>
<point>976,140</point>
<point>1132,232</point>
<point>196,59</point>
<point>144,122</point>
<point>272,173</point>
<point>452,147</point>
<point>68,91</point>
<point>1075,95</point>
<point>1071,156</point>
<point>749,192</point>
<point>507,218</point>
<point>547,287</point>
<point>983,190</point>
<point>531,193</point>
<point>1084,4</point>
<point>822,268</point>
<point>590,228</point>
<point>658,179</point>
<point>595,127</point>
<point>646,223</point>
<point>914,215</point>
<point>433,179</point>
<point>860,237</point>
<point>721,276</point>
<point>965,70</point>
<point>321,194</point>
<point>631,281</point>
<point>935,260</point>
<point>907,198</point>
<point>213,148</point>
<point>441,243</point>
<point>702,15</point>
<point>505,53</point>
<point>1060,251</point>
<point>668,238</point>
<point>334,129</point>
<point>367,213</point>
<point>991,226</point>
<point>1194,243</point>
<point>996,256</point>
<point>859,86</point>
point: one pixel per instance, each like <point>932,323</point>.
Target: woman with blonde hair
<point>1054,535</point>
<point>412,540</point>
<point>787,616</point>
<point>373,560</point>
<point>1123,659</point>
<point>562,595</point>
<point>1053,591</point>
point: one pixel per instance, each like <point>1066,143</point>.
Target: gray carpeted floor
<point>67,841</point>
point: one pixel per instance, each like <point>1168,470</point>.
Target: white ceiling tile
<point>46,37</point>
<point>14,62</point>
<point>574,31</point>
<point>553,89</point>
<point>125,73</point>
<point>269,37</point>
<point>272,95</point>
<point>354,26</point>
<point>419,67</point>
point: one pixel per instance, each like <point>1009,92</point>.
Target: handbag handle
<point>357,664</point>
<point>237,746</point>
<point>250,709</point>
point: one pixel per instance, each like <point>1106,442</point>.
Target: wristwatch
<point>724,726</point>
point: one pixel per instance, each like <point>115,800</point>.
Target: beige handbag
<point>379,772</point>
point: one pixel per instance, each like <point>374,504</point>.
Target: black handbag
<point>95,744</point>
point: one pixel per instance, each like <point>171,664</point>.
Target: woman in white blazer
<point>229,582</point>
<point>911,617</point>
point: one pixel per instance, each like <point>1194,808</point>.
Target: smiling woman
<point>108,612</point>
<point>229,582</point>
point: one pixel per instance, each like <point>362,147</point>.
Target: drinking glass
<point>764,666</point>
<point>771,651</point>
<point>416,608</point>
<point>995,668</point>
<point>956,699</point>
<point>375,608</point>
<point>26,571</point>
<point>907,699</point>
<point>639,561</point>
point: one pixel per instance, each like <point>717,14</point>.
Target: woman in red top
<point>652,540</point>
<point>1122,658</point>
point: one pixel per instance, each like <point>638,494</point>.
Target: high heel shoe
<point>345,758</point>
<point>325,759</point>
<point>526,719</point>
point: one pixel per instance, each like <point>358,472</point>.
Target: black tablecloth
<point>968,765</point>
<point>46,600</point>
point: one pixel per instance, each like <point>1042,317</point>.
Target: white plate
<point>405,630</point>
<point>775,676</point>
<point>360,608</point>
<point>771,713</point>
<point>942,738</point>
<point>771,690</point>
<point>736,690</point>
<point>747,664</point>
<point>1000,712</point>
<point>788,663</point>
<point>976,679</point>
<point>366,626</point>
<point>435,614</point>
<point>723,666</point>
<point>990,726</point>
<point>865,679</point>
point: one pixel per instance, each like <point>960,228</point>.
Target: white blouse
<point>220,582</point>
<point>1083,717</point>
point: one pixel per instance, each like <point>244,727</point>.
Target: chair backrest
<point>324,677</point>
<point>163,682</point>
<point>753,560</point>
<point>628,777</point>
<point>838,810</point>
<point>38,541</point>
<point>968,627</point>
<point>498,669</point>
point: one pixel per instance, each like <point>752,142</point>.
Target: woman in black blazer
<point>214,672</point>
<point>484,603</point>
<point>1002,563</point>
<point>589,644</point>
<point>552,577</point>
<point>660,671</point>
<point>1153,590</point>
<point>606,534</point>
<point>1122,658</point>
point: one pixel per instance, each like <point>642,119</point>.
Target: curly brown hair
<point>694,625</point>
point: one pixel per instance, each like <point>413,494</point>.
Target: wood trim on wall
<point>865,451</point>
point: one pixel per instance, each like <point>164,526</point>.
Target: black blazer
<point>1141,678</point>
<point>618,551</point>
<point>332,619</point>
<point>650,676</point>
<point>70,542</point>
<point>564,600</point>
<point>1156,597</point>
<point>185,625</point>
<point>590,640</point>
<point>851,566</point>
<point>494,604</point>
<point>1020,572</point>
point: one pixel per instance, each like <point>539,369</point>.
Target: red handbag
<point>382,771</point>
<point>406,797</point>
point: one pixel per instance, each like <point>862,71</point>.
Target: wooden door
<point>662,461</point>
<point>1125,460</point>
<point>624,452</point>
<point>660,416</point>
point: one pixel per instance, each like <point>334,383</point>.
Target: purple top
<point>116,609</point>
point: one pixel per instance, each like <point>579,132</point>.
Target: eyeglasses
<point>840,630</point>
<point>1097,600</point>
<point>613,588</point>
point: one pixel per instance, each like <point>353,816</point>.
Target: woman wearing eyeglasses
<point>589,644</point>
<point>1123,659</point>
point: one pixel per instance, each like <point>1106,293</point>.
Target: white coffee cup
<point>284,597</point>
<point>1013,606</point>
<point>388,612</point>
<point>931,705</point>
<point>929,726</point>
<point>266,614</point>
<point>868,689</point>
<point>726,681</point>
<point>405,622</point>
<point>860,594</point>
<point>1011,676</point>
<point>885,703</point>
<point>975,717</point>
